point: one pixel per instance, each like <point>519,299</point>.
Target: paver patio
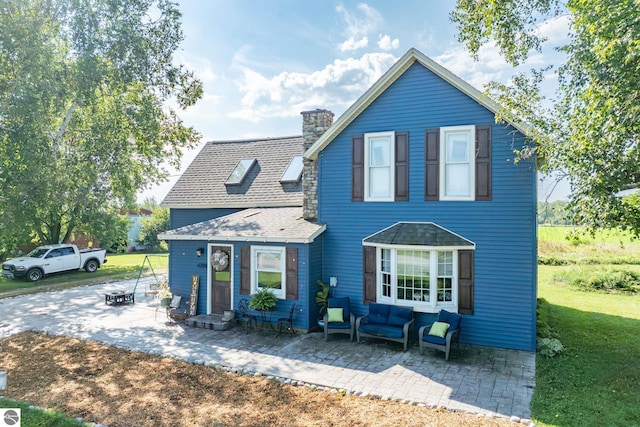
<point>481,380</point>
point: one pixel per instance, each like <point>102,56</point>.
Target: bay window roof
<point>417,234</point>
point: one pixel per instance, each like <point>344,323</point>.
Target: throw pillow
<point>335,315</point>
<point>439,329</point>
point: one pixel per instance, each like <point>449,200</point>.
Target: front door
<point>220,265</point>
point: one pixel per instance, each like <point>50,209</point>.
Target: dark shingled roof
<point>202,185</point>
<point>251,225</point>
<point>417,234</point>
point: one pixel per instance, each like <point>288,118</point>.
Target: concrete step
<point>210,321</point>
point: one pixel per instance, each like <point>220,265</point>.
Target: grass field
<point>118,267</point>
<point>596,380</point>
<point>563,234</point>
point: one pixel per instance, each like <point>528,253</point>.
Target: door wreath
<point>220,260</point>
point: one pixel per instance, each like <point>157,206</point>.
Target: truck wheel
<point>34,275</point>
<point>91,266</point>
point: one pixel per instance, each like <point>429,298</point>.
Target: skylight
<point>294,170</point>
<point>240,172</point>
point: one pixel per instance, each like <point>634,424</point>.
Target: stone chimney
<point>314,124</point>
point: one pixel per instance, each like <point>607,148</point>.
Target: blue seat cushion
<point>452,319</point>
<point>381,330</point>
<point>434,339</point>
<point>378,313</point>
<point>339,325</point>
<point>342,303</point>
<point>398,316</point>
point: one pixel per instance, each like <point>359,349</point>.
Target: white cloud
<point>555,30</point>
<point>352,44</point>
<point>334,87</point>
<point>491,66</point>
<point>358,25</point>
<point>385,42</point>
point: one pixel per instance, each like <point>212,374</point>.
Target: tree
<point>552,213</point>
<point>155,224</point>
<point>592,131</point>
<point>86,117</point>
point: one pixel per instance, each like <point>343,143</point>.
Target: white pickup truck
<point>53,259</point>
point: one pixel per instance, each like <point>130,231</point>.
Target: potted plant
<point>322,299</point>
<point>164,293</point>
<point>263,300</point>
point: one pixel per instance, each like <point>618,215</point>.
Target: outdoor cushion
<point>439,329</point>
<point>452,319</point>
<point>378,313</point>
<point>435,340</point>
<point>382,330</point>
<point>343,303</point>
<point>398,316</point>
<point>340,325</point>
<point>335,315</point>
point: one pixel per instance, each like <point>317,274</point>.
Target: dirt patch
<point>121,388</point>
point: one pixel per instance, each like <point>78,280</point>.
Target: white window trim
<point>392,161</point>
<point>280,293</point>
<point>472,161</point>
<point>432,306</point>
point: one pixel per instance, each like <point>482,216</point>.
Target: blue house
<point>411,197</point>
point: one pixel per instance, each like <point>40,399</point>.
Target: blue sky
<point>263,62</point>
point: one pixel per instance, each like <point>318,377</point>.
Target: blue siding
<point>183,263</point>
<point>504,229</point>
<point>301,317</point>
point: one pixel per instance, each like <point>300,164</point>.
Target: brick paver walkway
<point>482,380</point>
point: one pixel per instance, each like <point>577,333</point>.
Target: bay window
<point>422,278</point>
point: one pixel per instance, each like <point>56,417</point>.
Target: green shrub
<point>543,329</point>
<point>551,260</point>
<point>263,300</point>
<point>609,281</point>
<point>549,347</point>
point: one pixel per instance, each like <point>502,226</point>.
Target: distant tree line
<point>553,213</point>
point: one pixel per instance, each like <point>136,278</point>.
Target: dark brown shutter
<point>465,282</point>
<point>369,267</point>
<point>432,164</point>
<point>292,273</point>
<point>483,162</point>
<point>357,168</point>
<point>245,270</point>
<point>402,166</point>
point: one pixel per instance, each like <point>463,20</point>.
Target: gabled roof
<point>417,234</point>
<point>413,55</point>
<point>202,185</point>
<point>285,225</point>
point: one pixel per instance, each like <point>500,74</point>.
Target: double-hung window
<point>379,166</point>
<point>422,278</point>
<point>457,171</point>
<point>268,269</point>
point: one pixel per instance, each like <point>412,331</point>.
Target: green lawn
<point>562,234</point>
<point>118,267</point>
<point>596,380</point>
<point>33,417</point>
